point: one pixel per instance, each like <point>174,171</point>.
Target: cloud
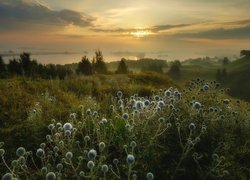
<point>154,29</point>
<point>239,22</point>
<point>167,27</point>
<point>221,33</point>
<point>115,30</point>
<point>17,12</point>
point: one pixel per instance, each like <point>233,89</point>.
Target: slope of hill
<point>141,64</point>
<point>238,78</point>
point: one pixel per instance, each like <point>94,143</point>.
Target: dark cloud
<point>116,30</point>
<point>129,30</point>
<point>239,22</point>
<point>16,12</point>
<point>233,33</point>
<point>167,27</point>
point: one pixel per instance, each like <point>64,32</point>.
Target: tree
<point>122,67</point>
<point>25,63</point>
<point>245,53</point>
<point>225,61</point>
<point>14,67</point>
<point>99,65</point>
<point>174,70</point>
<point>84,67</point>
<point>2,65</point>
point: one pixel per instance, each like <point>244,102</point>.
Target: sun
<point>141,33</point>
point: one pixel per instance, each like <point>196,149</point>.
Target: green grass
<point>33,112</point>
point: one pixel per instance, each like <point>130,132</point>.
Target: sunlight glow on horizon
<point>194,26</point>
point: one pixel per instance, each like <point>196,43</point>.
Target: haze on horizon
<point>178,29</point>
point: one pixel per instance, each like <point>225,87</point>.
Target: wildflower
<point>192,126</point>
<point>115,161</point>
<point>119,94</point>
<point>133,144</point>
<point>101,146</point>
<point>161,119</point>
<point>104,168</point>
<point>127,126</point>
<point>215,156</point>
<point>69,155</point>
<point>20,151</point>
<point>139,105</point>
<point>205,87</point>
<point>146,102</point>
<point>72,115</point>
<point>14,163</point>
<point>67,133</point>
<point>125,116</point>
<point>197,105</point>
<point>92,154</point>
<point>67,126</point>
<point>44,170</point>
<point>157,98</point>
<point>86,138</point>
<point>58,124</point>
<point>55,149</point>
<point>50,176</point>
<point>104,121</point>
<point>226,101</point>
<point>130,159</point>
<point>59,166</point>
<point>81,174</point>
<point>40,153</point>
<point>91,164</point>
<point>7,176</point>
<point>134,177</point>
<point>150,176</point>
<point>88,112</point>
<point>225,173</point>
<point>51,126</point>
<point>167,93</point>
<point>43,145</point>
<point>160,103</point>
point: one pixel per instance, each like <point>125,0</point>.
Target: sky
<point>167,29</point>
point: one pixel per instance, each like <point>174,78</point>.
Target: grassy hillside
<point>238,78</point>
<point>121,126</point>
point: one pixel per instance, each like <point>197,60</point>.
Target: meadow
<point>135,126</point>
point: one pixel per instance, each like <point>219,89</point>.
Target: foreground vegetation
<point>122,127</point>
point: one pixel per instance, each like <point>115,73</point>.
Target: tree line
<point>25,66</point>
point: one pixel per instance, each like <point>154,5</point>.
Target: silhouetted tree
<point>51,71</point>
<point>14,67</point>
<point>2,66</point>
<point>174,70</point>
<point>99,65</point>
<point>25,63</point>
<point>62,71</point>
<point>84,67</point>
<point>122,67</point>
<point>225,61</point>
<point>245,53</point>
